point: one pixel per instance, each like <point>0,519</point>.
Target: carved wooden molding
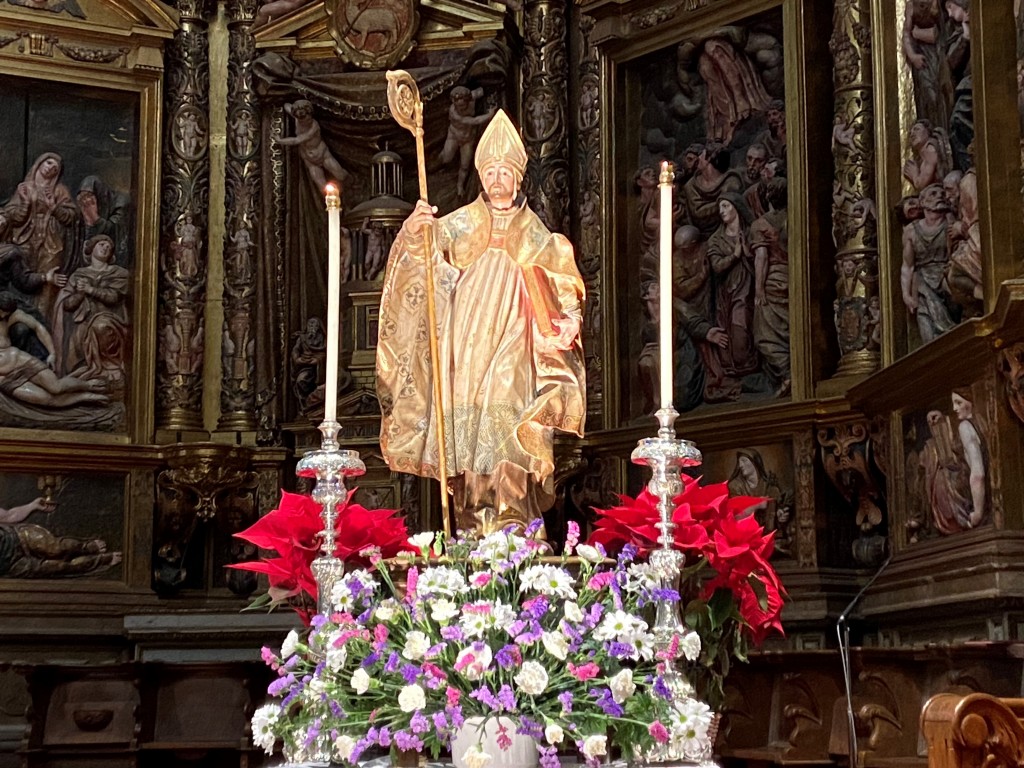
<point>973,731</point>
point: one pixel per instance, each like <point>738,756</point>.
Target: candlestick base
<point>329,466</point>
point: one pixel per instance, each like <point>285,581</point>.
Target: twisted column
<point>184,223</point>
<point>854,216</point>
<point>545,127</point>
<point>241,237</point>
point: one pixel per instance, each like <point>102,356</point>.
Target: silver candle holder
<point>329,466</point>
<point>666,455</point>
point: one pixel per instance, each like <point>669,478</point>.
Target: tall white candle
<point>665,182</point>
<point>333,201</point>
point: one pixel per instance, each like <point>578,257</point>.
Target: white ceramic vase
<point>522,753</point>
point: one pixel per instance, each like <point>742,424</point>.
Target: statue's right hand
<point>422,216</point>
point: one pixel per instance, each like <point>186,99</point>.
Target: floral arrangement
<point>293,532</point>
<point>731,594</point>
<point>557,650</point>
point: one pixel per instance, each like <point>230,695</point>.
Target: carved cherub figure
<point>463,131</point>
<point>320,163</point>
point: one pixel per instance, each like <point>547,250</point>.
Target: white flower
<point>622,685</point>
<point>422,540</point>
<point>474,668</point>
<point>595,745</point>
<point>411,698</point>
<point>336,657</point>
<point>590,554</point>
<point>341,597</point>
<point>360,681</point>
<point>547,580</point>
<point>343,747</point>
<point>496,546</point>
<point>441,580</point>
<point>641,576</point>
<point>532,678</point>
<point>416,645</point>
<point>443,609</point>
<point>475,624</point>
<point>555,644</point>
<point>689,721</point>
<point>554,733</point>
<point>362,578</point>
<point>263,721</point>
<point>621,627</point>
<point>503,615</point>
<point>290,645</point>
<point>475,757</point>
<point>573,612</point>
<point>690,646</point>
<point>387,610</point>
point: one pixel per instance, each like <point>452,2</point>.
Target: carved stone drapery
<point>241,237</point>
<point>183,223</point>
<point>854,216</point>
<point>588,192</point>
<point>545,126</point>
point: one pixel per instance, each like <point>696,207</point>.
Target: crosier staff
<point>406,106</point>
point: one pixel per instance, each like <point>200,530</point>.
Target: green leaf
<point>759,589</point>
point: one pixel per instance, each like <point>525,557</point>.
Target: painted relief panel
<point>714,104</point>
<point>67,254</point>
<point>940,278</point>
<point>54,526</point>
<point>947,467</point>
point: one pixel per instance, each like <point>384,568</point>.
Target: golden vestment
<point>502,396</point>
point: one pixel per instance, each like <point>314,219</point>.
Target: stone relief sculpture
<point>715,106</point>
<point>936,44</point>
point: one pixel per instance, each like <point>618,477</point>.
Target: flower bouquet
<point>293,532</point>
<point>731,594</point>
<point>486,633</point>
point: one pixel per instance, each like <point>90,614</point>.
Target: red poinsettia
<point>293,532</point>
<point>731,592</point>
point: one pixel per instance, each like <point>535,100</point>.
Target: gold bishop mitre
<point>501,142</point>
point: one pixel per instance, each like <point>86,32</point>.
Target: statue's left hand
<point>568,329</point>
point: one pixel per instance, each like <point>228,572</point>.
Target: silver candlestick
<point>329,466</point>
<point>666,455</point>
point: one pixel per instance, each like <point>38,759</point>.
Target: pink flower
<point>480,579</point>
<point>410,585</point>
<point>435,671</point>
<point>584,672</point>
<point>600,580</point>
<point>672,651</point>
<point>658,732</point>
<point>504,741</point>
<point>481,608</point>
<point>572,535</point>
<point>380,633</point>
<point>452,695</point>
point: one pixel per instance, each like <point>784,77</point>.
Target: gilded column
<point>241,238</point>
<point>545,127</point>
<point>854,215</point>
<point>588,193</point>
<point>184,224</point>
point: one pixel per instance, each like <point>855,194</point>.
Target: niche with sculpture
<point>715,105</point>
<point>67,255</point>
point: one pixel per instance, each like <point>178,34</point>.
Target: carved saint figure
<point>750,477</point>
<point>956,467</point>
<point>309,351</point>
<point>712,179</point>
<point>964,271</point>
<point>37,218</point>
<point>91,333</point>
<point>320,163</point>
<point>105,212</point>
<point>923,274</point>
<point>28,550</point>
<point>924,46</point>
<point>931,161</point>
<point>463,131</point>
<point>509,303</point>
<point>769,238</point>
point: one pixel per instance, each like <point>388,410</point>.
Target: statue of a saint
<point>509,307</point>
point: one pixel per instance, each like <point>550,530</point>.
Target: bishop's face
<point>501,183</point>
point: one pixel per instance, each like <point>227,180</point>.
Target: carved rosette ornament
<point>588,192</point>
<point>545,130</point>
<point>241,236</point>
<point>183,223</point>
<point>854,215</point>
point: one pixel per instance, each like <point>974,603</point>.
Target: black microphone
<point>843,632</point>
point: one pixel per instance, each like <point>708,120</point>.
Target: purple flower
<point>507,698</point>
<point>318,621</point>
<point>279,686</point>
<point>392,663</point>
<point>312,733</point>
<point>440,722</point>
<point>662,689</point>
<point>607,704</point>
<point>418,723</point>
<point>370,660</point>
<point>548,757</point>
<point>359,747</point>
<point>453,632</point>
<point>532,635</point>
<point>384,737</point>
<point>627,555</point>
<point>533,527</point>
<point>404,740</point>
<point>434,650</point>
<point>336,709</point>
<point>455,715</point>
<point>531,728</point>
<point>484,695</point>
<point>565,699</point>
<point>536,607</point>
<point>593,616</point>
<point>508,657</point>
<point>409,673</point>
<point>620,650</point>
